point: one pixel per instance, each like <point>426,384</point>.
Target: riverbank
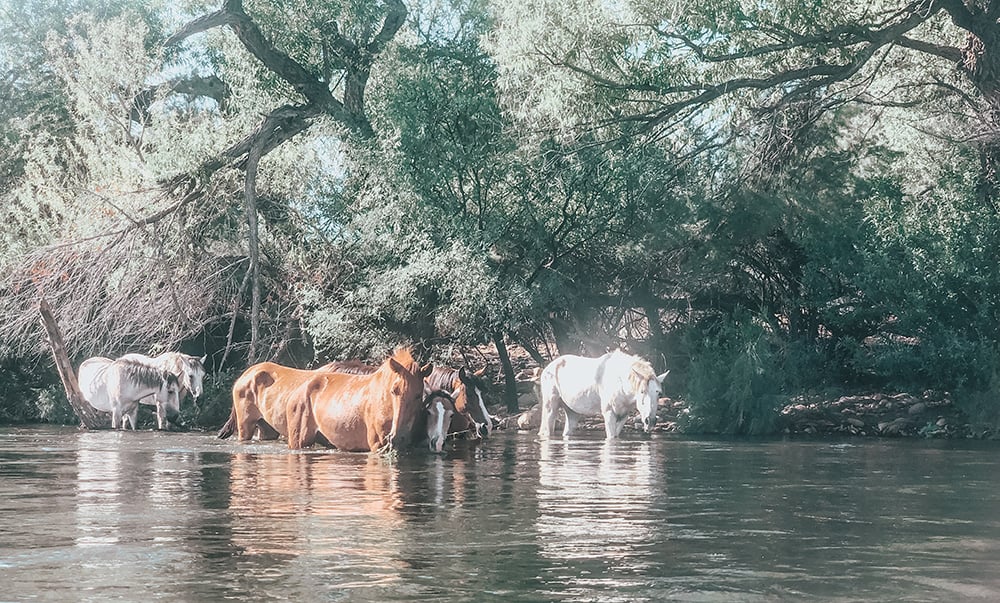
<point>930,414</point>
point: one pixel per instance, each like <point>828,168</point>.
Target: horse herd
<point>354,406</point>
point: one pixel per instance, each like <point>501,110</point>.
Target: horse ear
<point>463,375</point>
<point>426,370</point>
<point>203,359</point>
<point>660,378</point>
<point>480,372</point>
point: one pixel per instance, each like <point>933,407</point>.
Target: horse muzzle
<point>483,430</point>
<point>648,424</point>
<point>436,444</point>
<point>398,442</point>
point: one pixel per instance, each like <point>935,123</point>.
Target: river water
<point>148,516</point>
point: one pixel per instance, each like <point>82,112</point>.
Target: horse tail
<point>230,427</point>
<point>548,383</point>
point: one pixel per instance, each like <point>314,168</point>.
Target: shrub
<point>735,381</point>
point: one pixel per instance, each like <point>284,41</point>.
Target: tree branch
<point>808,77</point>
<point>204,23</point>
<point>950,53</point>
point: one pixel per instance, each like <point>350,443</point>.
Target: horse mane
<point>145,374</point>
<point>640,374</point>
<point>174,363</point>
<point>349,367</point>
<point>404,356</point>
<point>442,377</point>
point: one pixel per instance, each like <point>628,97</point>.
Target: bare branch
<point>390,26</point>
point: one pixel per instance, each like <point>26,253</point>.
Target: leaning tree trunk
<point>90,418</point>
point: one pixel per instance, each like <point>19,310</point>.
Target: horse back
<point>92,379</point>
<point>575,380</point>
<point>264,389</point>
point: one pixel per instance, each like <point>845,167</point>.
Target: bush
<point>212,408</point>
<point>735,380</point>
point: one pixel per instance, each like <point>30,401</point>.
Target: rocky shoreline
<point>930,414</point>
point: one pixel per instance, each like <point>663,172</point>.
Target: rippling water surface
<point>95,516</point>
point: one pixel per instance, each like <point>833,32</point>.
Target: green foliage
<point>53,407</point>
<point>737,378</point>
<point>563,171</point>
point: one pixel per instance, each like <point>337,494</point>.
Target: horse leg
<point>116,415</point>
<point>572,418</point>
<point>161,416</point>
<point>550,405</point>
<point>298,419</point>
<point>133,416</point>
<point>246,413</point>
<point>612,424</point>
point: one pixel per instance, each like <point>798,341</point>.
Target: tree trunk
<point>529,348</point>
<point>90,418</point>
<point>509,380</point>
<point>250,194</point>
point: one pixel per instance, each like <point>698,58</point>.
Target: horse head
<point>193,374</point>
<point>406,390</point>
<point>169,394</point>
<point>646,386</point>
<point>439,406</point>
<point>469,400</point>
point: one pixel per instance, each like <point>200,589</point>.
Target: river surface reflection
<point>146,516</point>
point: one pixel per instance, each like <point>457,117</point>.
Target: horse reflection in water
<point>594,502</point>
<point>99,499</point>
<point>322,510</point>
<point>125,490</point>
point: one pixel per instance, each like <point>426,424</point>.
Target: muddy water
<point>184,517</point>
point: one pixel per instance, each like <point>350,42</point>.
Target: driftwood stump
<point>90,418</point>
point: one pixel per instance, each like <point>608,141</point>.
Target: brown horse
<point>465,390</point>
<point>359,412</point>
<point>260,397</point>
<point>439,403</point>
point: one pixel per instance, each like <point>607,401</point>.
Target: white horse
<point>93,376</point>
<point>189,370</point>
<point>116,386</point>
<point>614,386</point>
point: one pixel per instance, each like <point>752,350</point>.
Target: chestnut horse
<point>359,412</point>
<point>440,404</point>
<point>465,390</point>
<point>262,393</point>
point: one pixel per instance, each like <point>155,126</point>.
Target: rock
<point>855,422</point>
<point>894,427</point>
<point>530,419</point>
<point>917,408</point>
<point>527,400</point>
